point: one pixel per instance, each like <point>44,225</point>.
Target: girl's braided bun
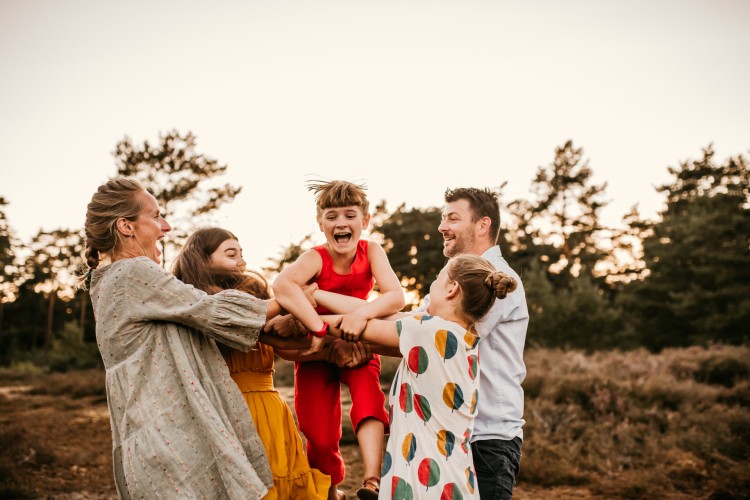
<point>480,284</point>
<point>500,283</point>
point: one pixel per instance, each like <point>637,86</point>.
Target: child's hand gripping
<point>352,325</point>
<point>285,326</point>
<point>317,340</point>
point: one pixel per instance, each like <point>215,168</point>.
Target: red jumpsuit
<point>317,389</point>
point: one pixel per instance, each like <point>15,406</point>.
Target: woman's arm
<point>231,317</point>
<point>273,309</point>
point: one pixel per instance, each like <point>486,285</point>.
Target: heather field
<point>605,425</point>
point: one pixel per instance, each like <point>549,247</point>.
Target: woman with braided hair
<point>180,427</point>
<point>434,394</point>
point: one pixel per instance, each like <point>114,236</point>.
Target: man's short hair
<point>482,202</point>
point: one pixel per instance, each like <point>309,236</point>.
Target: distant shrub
<point>20,371</point>
<point>723,370</point>
<point>663,393</point>
<point>739,395</point>
<point>639,425</point>
<point>70,352</point>
<point>78,384</point>
<point>595,395</point>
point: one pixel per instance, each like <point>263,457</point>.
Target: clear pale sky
<point>409,97</point>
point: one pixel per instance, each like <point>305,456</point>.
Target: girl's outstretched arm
<point>377,331</point>
<point>337,303</point>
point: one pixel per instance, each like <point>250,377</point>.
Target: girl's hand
<point>352,325</point>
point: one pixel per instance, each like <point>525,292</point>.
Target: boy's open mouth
<point>342,237</point>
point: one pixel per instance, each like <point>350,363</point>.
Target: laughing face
<point>228,257</point>
<point>458,229</point>
<point>150,227</point>
<point>343,227</point>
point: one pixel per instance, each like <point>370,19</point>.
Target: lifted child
<point>347,265</point>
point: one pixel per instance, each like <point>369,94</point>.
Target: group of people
<point>189,357</point>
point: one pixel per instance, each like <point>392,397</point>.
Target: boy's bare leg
<point>371,436</point>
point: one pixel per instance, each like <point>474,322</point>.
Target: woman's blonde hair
<point>480,284</point>
<point>115,199</point>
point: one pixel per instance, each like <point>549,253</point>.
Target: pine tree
<point>414,245</point>
<point>176,175</point>
<point>698,258</point>
<point>560,230</point>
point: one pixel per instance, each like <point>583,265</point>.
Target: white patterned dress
<point>180,426</point>
<point>432,405</point>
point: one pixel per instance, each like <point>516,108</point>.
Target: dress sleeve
<point>231,317</point>
<point>407,327</point>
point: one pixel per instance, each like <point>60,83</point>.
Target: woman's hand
<point>285,326</point>
<point>361,354</point>
<point>316,344</point>
<point>348,354</point>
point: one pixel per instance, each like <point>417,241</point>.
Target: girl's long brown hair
<point>193,266</point>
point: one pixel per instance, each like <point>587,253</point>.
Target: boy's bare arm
<point>389,302</point>
<point>392,298</point>
<point>287,289</point>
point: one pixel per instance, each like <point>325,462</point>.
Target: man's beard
<point>461,244</point>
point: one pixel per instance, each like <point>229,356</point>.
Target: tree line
<point>681,279</point>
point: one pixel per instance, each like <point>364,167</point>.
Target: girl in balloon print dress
<point>433,398</point>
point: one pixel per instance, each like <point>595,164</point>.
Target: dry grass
<point>640,425</point>
<point>606,425</point>
<point>633,424</point>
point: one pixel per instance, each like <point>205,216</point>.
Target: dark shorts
<point>497,463</point>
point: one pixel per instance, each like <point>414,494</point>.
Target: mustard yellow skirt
<point>292,475</point>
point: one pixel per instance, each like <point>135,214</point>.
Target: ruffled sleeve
<point>231,317</point>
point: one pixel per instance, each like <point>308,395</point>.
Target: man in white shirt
<point>470,223</point>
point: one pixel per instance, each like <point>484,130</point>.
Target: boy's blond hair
<point>334,194</point>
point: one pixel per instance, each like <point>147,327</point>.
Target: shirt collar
<point>492,252</point>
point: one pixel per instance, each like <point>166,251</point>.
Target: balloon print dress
<point>432,405</point>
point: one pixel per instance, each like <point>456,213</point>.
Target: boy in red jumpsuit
<point>347,265</point>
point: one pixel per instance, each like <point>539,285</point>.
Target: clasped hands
<point>345,351</point>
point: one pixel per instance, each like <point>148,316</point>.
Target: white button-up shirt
<point>503,334</point>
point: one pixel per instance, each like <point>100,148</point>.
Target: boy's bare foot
<point>370,489</point>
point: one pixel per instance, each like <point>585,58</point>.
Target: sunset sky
<point>408,97</point>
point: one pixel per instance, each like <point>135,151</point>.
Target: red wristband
<point>322,332</point>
